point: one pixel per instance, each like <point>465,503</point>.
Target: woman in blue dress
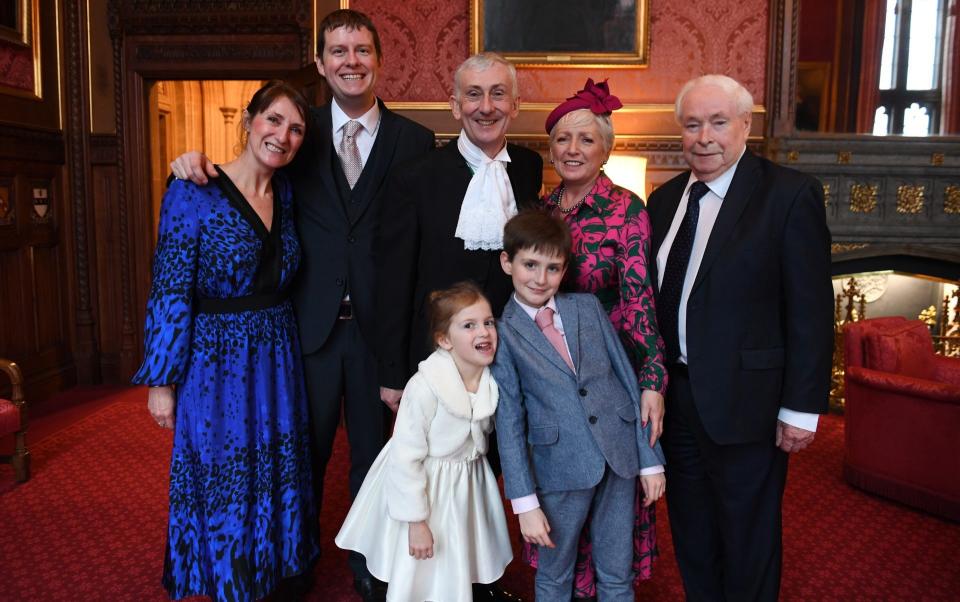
<point>223,363</point>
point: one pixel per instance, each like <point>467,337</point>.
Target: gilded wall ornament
<point>910,198</point>
<point>951,199</point>
<point>826,195</point>
<point>843,247</point>
<point>793,156</point>
<point>843,157</point>
<point>863,197</point>
<point>936,159</point>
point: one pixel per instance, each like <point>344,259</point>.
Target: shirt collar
<point>369,120</point>
<point>532,311</point>
<point>721,184</point>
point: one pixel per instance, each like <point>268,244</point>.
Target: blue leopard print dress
<point>242,514</point>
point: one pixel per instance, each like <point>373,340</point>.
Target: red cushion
<point>906,349</point>
<point>9,417</point>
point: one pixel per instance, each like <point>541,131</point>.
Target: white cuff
<point>649,470</point>
<point>525,503</point>
<point>801,420</point>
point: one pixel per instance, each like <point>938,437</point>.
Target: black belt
<point>346,311</point>
<point>235,305</point>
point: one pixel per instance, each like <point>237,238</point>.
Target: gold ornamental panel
<point>863,197</point>
<point>843,157</point>
<point>910,199</point>
<point>951,199</point>
<point>843,247</point>
<point>826,195</point>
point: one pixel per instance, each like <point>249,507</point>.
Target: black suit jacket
<point>418,252</point>
<point>337,226</point>
<point>760,314</point>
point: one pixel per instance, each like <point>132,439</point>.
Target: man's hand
<point>654,486</point>
<point>792,439</point>
<point>421,540</point>
<point>535,528</point>
<point>193,166</point>
<point>651,408</point>
<point>162,402</point>
<point>391,397</point>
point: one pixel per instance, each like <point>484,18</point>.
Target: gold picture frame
<point>563,33</point>
<point>15,21</point>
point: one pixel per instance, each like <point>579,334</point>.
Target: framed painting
<point>563,33</point>
<point>14,21</point>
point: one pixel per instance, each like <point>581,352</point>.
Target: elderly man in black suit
<point>744,305</point>
<point>446,222</point>
<point>340,181</point>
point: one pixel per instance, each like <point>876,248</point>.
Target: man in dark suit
<point>445,223</point>
<point>339,179</point>
<point>745,308</point>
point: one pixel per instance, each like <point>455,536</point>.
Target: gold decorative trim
<point>843,157</point>
<point>936,159</point>
<point>843,247</point>
<point>826,195</point>
<point>910,198</point>
<point>863,197</point>
<point>951,199</point>
<point>793,156</point>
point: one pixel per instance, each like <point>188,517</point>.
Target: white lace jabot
<point>489,201</point>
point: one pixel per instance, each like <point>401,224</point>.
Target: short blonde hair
<point>582,117</point>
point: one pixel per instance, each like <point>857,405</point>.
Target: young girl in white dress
<point>429,518</point>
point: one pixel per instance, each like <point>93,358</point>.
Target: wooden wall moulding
<point>216,56</point>
<point>40,145</point>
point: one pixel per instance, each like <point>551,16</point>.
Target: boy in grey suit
<point>568,429</point>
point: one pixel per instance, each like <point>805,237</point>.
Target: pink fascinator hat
<point>595,97</point>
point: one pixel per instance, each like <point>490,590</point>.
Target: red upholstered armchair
<point>902,415</point>
<point>13,420</point>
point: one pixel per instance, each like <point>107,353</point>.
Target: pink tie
<point>544,320</point>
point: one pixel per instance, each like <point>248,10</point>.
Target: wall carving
<point>951,200</point>
<point>910,199</point>
<point>686,39</point>
<point>863,197</point>
<point>201,52</point>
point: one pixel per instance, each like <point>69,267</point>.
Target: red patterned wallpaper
<point>16,66</point>
<point>424,41</point>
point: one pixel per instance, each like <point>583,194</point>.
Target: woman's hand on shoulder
<point>162,403</point>
<point>193,166</point>
<point>421,540</point>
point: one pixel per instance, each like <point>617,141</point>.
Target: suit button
<point>583,392</point>
<point>593,420</point>
<point>339,281</point>
<point>352,239</point>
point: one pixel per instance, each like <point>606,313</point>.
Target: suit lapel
<point>518,319</point>
<point>661,220</point>
<point>324,155</point>
<point>744,181</point>
<point>378,163</point>
<point>570,316</point>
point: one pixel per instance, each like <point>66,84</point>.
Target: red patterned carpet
<point>90,524</point>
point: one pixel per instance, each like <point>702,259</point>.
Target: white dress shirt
<point>709,210</point>
<point>366,135</point>
<point>531,502</point>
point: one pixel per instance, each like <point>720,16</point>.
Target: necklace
<point>573,207</point>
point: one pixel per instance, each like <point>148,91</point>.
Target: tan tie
<point>544,320</point>
<point>349,153</point>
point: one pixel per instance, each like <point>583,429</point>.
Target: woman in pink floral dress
<point>611,244</point>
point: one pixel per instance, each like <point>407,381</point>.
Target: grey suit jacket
<point>556,430</point>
